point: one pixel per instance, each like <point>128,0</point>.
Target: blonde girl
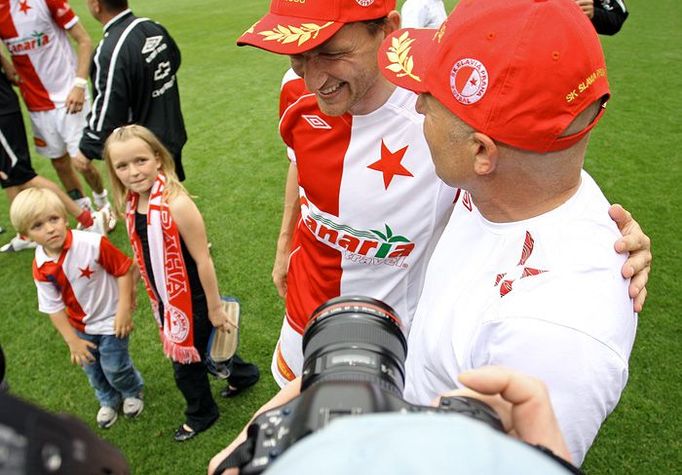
<point>168,238</point>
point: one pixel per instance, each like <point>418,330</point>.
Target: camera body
<point>354,353</point>
<point>34,441</point>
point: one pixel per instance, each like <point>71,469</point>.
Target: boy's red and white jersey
<point>372,206</point>
<point>82,281</point>
<point>34,32</point>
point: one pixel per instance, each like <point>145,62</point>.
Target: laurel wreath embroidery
<point>399,56</point>
<point>250,30</point>
<point>290,34</point>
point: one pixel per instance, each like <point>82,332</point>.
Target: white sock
<point>100,198</point>
<point>85,203</point>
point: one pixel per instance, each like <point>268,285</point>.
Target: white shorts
<point>56,132</point>
<point>287,360</point>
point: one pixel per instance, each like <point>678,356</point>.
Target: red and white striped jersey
<point>82,281</point>
<point>371,204</point>
<point>34,32</point>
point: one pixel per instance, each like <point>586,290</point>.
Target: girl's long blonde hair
<point>127,132</point>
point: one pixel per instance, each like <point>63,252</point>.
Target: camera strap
<point>239,457</point>
<point>565,463</point>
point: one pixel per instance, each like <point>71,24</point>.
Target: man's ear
<point>392,22</point>
<point>486,154</point>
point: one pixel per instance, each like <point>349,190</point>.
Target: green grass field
<point>236,167</point>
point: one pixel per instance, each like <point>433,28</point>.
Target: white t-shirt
<point>422,14</point>
<point>544,296</point>
<point>371,204</point>
<point>34,32</point>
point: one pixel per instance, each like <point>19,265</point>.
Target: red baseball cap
<point>297,26</point>
<point>519,71</point>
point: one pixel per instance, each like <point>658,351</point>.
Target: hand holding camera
<point>354,354</point>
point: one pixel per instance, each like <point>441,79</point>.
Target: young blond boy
<point>85,284</point>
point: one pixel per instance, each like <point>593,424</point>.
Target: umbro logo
<point>316,122</point>
<point>151,44</point>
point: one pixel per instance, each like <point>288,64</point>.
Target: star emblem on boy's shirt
<point>521,270</point>
<point>389,164</point>
<point>24,7</point>
<point>86,272</point>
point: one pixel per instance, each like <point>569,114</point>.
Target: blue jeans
<point>112,374</point>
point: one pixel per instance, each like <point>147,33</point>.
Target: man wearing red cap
<point>362,203</point>
<point>523,275</point>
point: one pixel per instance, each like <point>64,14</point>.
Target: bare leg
<point>67,174</point>
<point>92,176</point>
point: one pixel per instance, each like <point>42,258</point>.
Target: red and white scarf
<point>170,274</point>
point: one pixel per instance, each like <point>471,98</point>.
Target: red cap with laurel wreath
<point>519,71</point>
<point>297,26</point>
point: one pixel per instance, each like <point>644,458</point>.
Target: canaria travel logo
<point>26,45</point>
<point>373,247</point>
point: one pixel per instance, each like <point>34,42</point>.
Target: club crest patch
<point>468,81</point>
<point>364,3</point>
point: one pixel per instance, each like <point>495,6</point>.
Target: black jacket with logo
<point>609,16</point>
<point>133,74</point>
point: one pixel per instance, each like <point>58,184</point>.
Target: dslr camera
<point>36,442</point>
<point>354,355</point>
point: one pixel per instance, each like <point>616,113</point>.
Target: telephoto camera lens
<point>355,339</point>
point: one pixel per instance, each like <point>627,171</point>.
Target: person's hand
<point>123,324</point>
<point>219,318</point>
<point>11,73</point>
<point>279,273</point>
<point>80,161</point>
<point>638,244</point>
<point>75,100</point>
<point>521,401</point>
<point>286,394</point>
<point>587,6</point>
<point>80,351</point>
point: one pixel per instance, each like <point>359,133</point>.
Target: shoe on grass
<point>106,416</point>
<point>132,406</point>
<point>17,244</point>
<point>184,433</point>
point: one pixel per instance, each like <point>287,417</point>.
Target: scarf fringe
<point>179,354</point>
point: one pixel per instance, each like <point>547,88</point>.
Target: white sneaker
<point>109,217</point>
<point>98,223</point>
<point>132,406</point>
<point>18,244</point>
<point>106,416</point>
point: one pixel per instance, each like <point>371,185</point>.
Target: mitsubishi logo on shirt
<point>521,270</point>
<point>162,70</point>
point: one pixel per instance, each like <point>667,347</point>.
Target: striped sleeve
<point>112,259</point>
<point>62,13</point>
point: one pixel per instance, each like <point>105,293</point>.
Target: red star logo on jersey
<point>86,272</point>
<point>522,271</point>
<point>390,164</point>
<point>24,7</point>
